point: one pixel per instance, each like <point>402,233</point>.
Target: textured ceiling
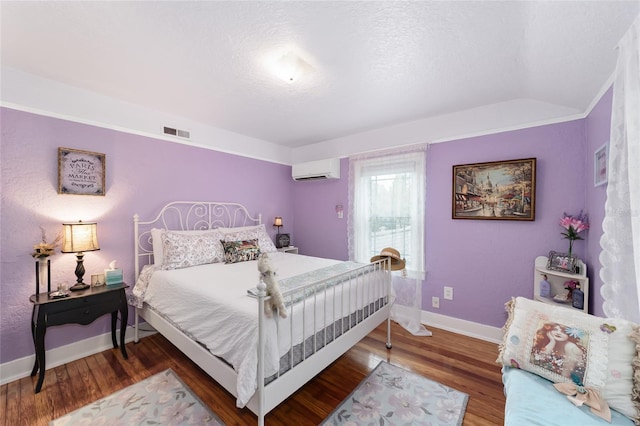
<point>373,64</point>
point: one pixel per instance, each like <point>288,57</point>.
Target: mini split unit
<point>313,170</point>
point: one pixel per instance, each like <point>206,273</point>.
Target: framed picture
<point>81,172</point>
<point>600,159</point>
<point>499,190</point>
<point>561,262</point>
<point>283,240</point>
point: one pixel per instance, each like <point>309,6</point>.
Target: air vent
<point>176,132</point>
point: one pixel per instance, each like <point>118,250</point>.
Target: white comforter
<point>211,303</point>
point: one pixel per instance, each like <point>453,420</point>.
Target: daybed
<point>545,345</point>
<point>199,287</point>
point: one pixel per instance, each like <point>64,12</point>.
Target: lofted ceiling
<point>370,64</point>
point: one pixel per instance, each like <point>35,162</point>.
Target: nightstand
<point>81,307</point>
<point>289,249</point>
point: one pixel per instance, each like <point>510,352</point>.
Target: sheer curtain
<point>620,242</point>
<point>386,209</point>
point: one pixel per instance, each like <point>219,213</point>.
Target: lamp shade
<point>277,221</point>
<point>80,237</point>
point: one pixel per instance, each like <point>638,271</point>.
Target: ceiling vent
<point>177,132</point>
<point>313,170</point>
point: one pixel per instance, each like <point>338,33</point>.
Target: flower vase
<point>570,295</point>
<point>42,273</point>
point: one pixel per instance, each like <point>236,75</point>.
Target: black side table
<point>81,307</point>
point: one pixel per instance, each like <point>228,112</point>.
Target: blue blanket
<point>532,400</point>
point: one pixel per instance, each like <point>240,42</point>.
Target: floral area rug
<point>390,395</point>
<point>159,400</point>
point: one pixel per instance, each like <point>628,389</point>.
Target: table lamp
<point>78,238</point>
<point>277,222</point>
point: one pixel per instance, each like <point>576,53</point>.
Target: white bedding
<point>218,313</point>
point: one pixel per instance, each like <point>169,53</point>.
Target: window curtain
<point>620,241</point>
<point>391,185</point>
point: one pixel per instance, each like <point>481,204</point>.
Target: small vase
<point>577,299</point>
<point>42,273</point>
<point>570,295</point>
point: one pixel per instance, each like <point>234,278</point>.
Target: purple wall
<point>487,262</point>
<point>142,175</point>
<point>318,231</point>
<point>598,129</point>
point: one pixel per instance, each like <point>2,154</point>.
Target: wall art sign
<point>600,159</point>
<point>498,190</point>
<point>81,172</point>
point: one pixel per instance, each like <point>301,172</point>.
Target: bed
<point>198,285</point>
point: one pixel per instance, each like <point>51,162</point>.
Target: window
<point>387,199</point>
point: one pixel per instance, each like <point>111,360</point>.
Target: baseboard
<point>19,368</point>
<point>459,326</point>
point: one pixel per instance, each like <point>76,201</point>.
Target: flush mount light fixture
<point>290,67</point>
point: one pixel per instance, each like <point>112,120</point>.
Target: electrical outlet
<point>435,302</point>
<point>448,293</point>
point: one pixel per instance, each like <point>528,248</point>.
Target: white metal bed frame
<point>190,215</point>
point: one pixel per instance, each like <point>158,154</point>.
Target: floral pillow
<point>246,233</point>
<point>566,345</point>
<point>183,250</point>
<point>240,251</point>
<point>157,240</point>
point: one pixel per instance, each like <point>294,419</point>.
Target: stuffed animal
<point>268,276</point>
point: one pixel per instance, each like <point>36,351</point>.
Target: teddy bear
<point>268,276</point>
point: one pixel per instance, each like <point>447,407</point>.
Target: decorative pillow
<point>182,250</point>
<point>240,251</point>
<point>157,241</point>
<point>565,344</point>
<point>246,233</point>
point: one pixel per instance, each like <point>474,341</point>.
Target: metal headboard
<point>187,215</point>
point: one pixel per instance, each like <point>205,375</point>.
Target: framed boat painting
<point>498,190</point>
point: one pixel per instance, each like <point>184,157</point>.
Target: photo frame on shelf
<point>561,262</point>
<point>498,190</point>
<point>600,165</point>
<point>81,172</point>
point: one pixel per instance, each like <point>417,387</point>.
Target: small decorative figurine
<point>545,287</point>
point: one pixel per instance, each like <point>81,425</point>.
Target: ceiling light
<point>290,67</point>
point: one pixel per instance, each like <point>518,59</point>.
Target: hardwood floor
<point>463,363</point>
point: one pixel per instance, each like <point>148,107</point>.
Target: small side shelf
<point>557,280</point>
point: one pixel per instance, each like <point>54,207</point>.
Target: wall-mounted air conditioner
<point>322,169</point>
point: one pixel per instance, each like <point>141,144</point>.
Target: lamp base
<point>79,286</point>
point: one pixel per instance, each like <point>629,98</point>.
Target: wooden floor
<point>463,363</point>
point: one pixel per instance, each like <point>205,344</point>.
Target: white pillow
<point>557,342</point>
<point>182,250</point>
<point>157,241</point>
<point>246,233</point>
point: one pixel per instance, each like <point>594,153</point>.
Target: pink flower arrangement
<point>571,285</point>
<point>574,225</point>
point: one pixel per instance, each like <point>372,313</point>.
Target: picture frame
<point>561,262</point>
<point>600,165</point>
<point>283,240</point>
<point>97,280</point>
<point>81,172</point>
<point>497,190</point>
